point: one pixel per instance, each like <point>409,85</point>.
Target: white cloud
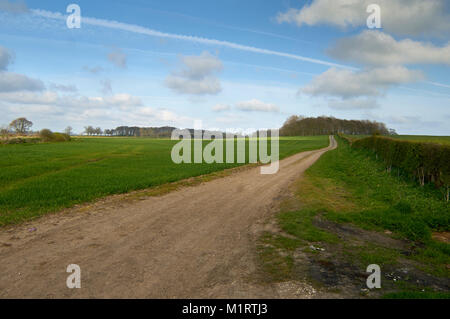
<point>416,122</point>
<point>64,88</point>
<point>106,87</point>
<point>403,119</point>
<point>230,119</point>
<point>13,7</point>
<point>12,82</point>
<point>221,107</point>
<point>198,67</point>
<point>404,17</point>
<point>23,97</point>
<point>118,58</point>
<point>6,58</point>
<point>348,84</point>
<point>198,75</point>
<point>207,85</point>
<point>111,111</point>
<point>353,104</point>
<point>255,105</point>
<point>141,115</point>
<point>123,101</point>
<point>332,12</point>
<point>378,48</point>
<point>93,70</point>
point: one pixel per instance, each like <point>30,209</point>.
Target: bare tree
<point>21,125</point>
<point>68,130</point>
<point>89,130</point>
<point>4,132</point>
<point>392,132</point>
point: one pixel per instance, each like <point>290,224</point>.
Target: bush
<point>58,137</point>
<point>48,136</point>
<point>20,140</point>
<point>16,140</point>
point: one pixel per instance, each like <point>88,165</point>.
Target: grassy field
<point>416,138</point>
<point>40,178</point>
<point>360,214</point>
<point>424,138</point>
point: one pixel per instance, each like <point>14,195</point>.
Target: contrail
<point>226,26</point>
<point>438,84</point>
<point>154,33</point>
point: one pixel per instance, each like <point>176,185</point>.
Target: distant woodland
<point>302,126</point>
<point>294,126</point>
<point>160,132</point>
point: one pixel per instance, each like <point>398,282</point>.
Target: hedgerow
<point>426,162</point>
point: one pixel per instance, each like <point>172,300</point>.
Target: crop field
<point>40,178</point>
<point>414,138</point>
<point>425,138</point>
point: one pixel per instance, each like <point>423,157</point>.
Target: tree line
<point>294,126</point>
<point>135,131</point>
<point>22,126</point>
<point>325,125</point>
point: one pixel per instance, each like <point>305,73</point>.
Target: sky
<point>233,65</point>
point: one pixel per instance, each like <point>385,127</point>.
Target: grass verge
<point>349,213</point>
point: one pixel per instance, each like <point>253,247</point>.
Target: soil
<point>442,237</point>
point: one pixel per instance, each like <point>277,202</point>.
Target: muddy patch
<point>350,232</point>
<point>443,237</point>
<point>338,269</point>
<point>331,267</point>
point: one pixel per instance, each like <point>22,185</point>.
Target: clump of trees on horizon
<point>165,131</point>
<point>325,125</point>
<point>21,125</point>
<point>90,130</point>
<point>294,126</point>
<point>19,132</point>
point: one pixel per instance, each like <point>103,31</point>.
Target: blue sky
<point>232,64</point>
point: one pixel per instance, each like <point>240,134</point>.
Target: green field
<point>40,178</point>
<point>425,138</point>
<point>416,138</point>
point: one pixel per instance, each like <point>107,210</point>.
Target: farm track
<point>197,242</point>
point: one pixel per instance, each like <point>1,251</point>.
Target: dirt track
<point>196,242</point>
